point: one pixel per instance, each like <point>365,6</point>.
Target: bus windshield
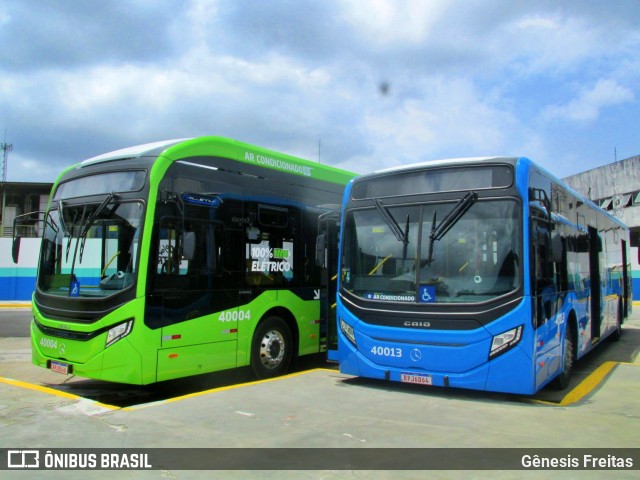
<point>90,250</point>
<point>475,257</point>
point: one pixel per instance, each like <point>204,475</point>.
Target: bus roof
<point>442,162</point>
<point>132,152</point>
<point>496,159</point>
<point>183,149</point>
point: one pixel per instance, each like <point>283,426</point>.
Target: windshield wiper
<point>63,224</point>
<point>449,221</point>
<point>61,215</point>
<point>391,222</point>
<point>92,218</point>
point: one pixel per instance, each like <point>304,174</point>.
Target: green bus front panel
<point>131,359</point>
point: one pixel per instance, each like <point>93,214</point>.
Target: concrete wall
<point>17,282</point>
<point>619,177</point>
<point>615,187</point>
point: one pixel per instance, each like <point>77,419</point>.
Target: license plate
<point>60,367</point>
<point>416,378</point>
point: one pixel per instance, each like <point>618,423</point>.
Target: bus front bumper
<point>120,362</point>
<point>511,372</point>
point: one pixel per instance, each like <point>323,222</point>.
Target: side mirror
<point>538,195</point>
<point>15,249</point>
<point>321,245</point>
<point>21,221</point>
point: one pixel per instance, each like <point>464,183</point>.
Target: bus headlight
<point>348,331</point>
<point>119,331</point>
<point>505,341</point>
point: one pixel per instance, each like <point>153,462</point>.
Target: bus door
<point>547,252</point>
<point>626,291</point>
<point>595,250</point>
<point>327,260</point>
<point>189,299</point>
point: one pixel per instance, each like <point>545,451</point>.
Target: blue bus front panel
<point>438,357</point>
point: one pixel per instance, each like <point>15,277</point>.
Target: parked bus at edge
<point>179,258</point>
<point>486,274</point>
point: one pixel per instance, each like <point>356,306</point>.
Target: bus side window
<point>543,272</point>
<point>270,253</point>
<point>189,254</point>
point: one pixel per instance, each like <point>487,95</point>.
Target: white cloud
<point>450,119</point>
<point>586,107</point>
<point>465,78</point>
<point>537,22</point>
<point>383,22</point>
<point>555,43</point>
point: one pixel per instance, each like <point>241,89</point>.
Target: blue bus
<point>484,273</point>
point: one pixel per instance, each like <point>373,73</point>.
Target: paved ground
<point>321,408</point>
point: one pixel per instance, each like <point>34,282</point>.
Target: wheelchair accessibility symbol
<point>427,294</point>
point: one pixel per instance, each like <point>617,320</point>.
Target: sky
<point>358,84</point>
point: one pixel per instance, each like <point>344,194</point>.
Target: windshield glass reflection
<point>476,259</point>
<point>90,250</point>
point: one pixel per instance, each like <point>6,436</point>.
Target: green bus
<point>183,257</point>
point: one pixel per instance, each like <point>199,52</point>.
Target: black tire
<point>271,348</point>
<point>561,382</point>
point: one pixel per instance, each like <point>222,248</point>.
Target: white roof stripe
<point>131,151</point>
<point>431,163</point>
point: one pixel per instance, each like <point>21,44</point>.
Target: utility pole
<point>6,148</point>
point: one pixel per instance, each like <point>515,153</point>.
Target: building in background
<point>17,282</point>
<point>616,188</point>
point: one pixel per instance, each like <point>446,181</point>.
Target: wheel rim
<point>272,349</point>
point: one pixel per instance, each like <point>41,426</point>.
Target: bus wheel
<point>561,382</point>
<point>271,348</point>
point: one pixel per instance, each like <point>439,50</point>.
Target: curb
<point>15,304</point>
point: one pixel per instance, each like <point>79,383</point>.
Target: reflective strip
<point>172,337</point>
